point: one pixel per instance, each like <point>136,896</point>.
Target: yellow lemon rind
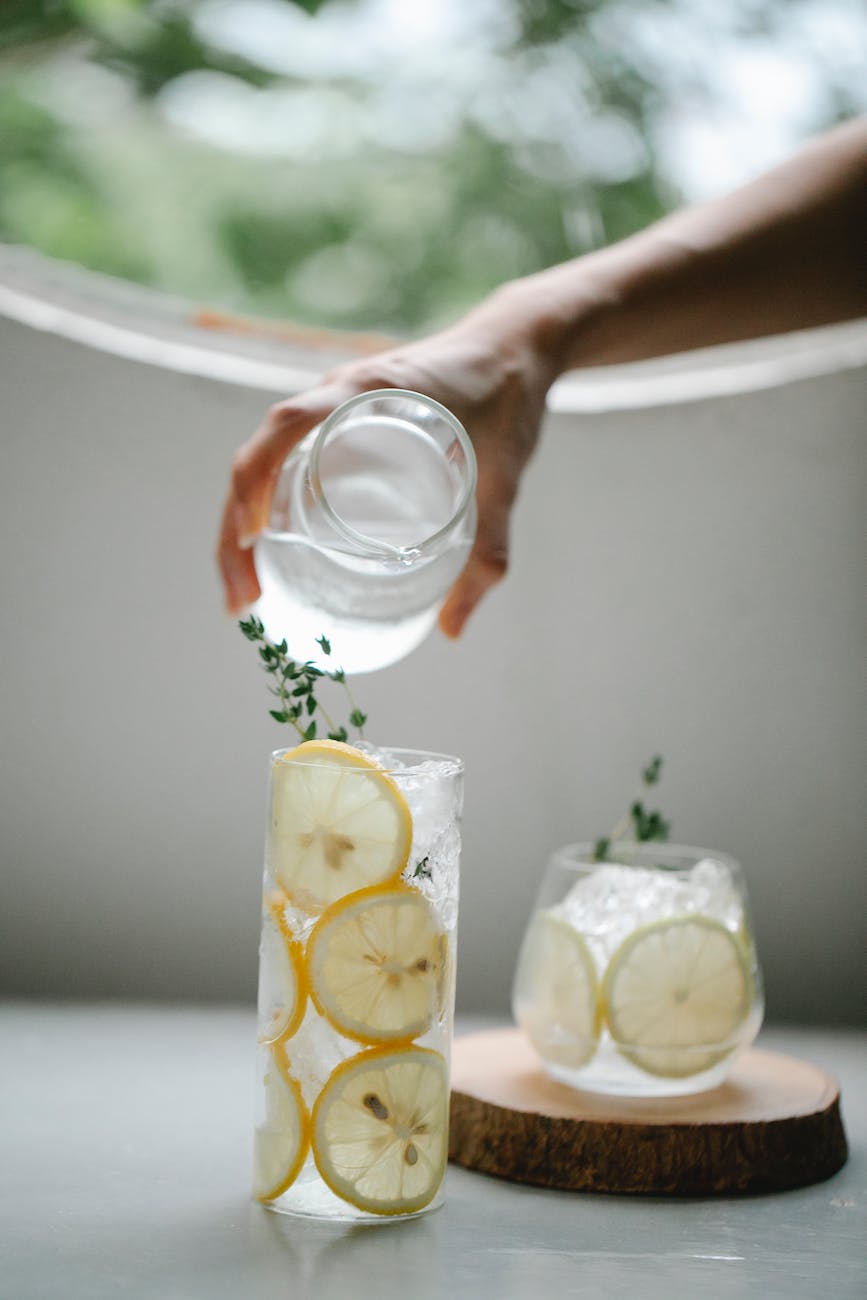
<point>331,914</point>
<point>305,1128</point>
<point>274,902</point>
<point>348,1066</point>
<point>347,756</point>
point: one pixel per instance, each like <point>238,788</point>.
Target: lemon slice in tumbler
<point>282,986</point>
<point>676,993</point>
<point>338,824</point>
<point>376,964</point>
<point>380,1129</point>
<point>556,992</point>
<point>280,1145</point>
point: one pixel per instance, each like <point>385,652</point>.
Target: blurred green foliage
<point>351,163</point>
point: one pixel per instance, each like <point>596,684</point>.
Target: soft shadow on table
<point>323,1259</point>
<point>237,1248</point>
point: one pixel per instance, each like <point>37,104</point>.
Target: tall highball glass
<point>356,981</point>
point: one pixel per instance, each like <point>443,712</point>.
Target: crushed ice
<point>614,899</point>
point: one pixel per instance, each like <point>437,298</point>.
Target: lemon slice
<point>282,986</point>
<point>380,1129</point>
<point>376,965</point>
<point>676,993</point>
<point>338,824</point>
<point>556,992</point>
<point>280,1145</point>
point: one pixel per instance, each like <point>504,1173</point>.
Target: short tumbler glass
<point>356,981</point>
<point>639,976</point>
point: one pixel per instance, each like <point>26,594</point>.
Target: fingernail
<point>246,541</point>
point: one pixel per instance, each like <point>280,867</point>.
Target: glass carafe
<point>372,520</point>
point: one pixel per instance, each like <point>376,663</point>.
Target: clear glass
<point>372,520</point>
<point>319,1026</point>
<point>639,977</point>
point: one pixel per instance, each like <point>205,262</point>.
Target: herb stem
<point>283,692</point>
<point>621,828</point>
<point>329,721</point>
<point>356,712</point>
<point>295,685</point>
<point>644,824</point>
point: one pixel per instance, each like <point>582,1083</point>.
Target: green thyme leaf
<point>640,825</point>
<point>251,629</point>
<point>298,700</point>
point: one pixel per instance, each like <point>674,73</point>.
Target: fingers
<point>254,471</point>
<point>489,557</point>
<point>240,584</point>
<point>481,573</point>
<point>258,462</point>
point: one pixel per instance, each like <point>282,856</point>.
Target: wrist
<point>562,315</point>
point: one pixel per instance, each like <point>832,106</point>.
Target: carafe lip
<point>374,545</point>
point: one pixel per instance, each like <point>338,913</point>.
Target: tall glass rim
<point>579,857</point>
<point>450,764</point>
<point>373,545</point>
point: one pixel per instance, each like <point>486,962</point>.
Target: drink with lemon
<point>639,976</point>
<point>356,989</point>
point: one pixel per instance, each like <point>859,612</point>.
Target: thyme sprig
<point>640,825</point>
<point>295,685</point>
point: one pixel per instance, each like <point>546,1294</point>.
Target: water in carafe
<point>372,521</point>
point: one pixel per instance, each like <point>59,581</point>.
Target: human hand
<point>485,370</point>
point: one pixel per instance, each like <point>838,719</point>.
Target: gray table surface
<point>125,1153</point>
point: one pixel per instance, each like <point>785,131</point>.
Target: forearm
<point>785,252</point>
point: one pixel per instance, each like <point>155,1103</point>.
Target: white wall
<point>687,579</point>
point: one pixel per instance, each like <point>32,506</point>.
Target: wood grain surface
<point>774,1124</point>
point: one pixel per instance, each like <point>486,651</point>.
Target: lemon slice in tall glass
<point>282,983</point>
<point>380,1129</point>
<point>281,1143</point>
<point>376,964</point>
<point>338,824</point>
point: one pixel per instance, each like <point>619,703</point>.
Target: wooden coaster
<point>774,1124</point>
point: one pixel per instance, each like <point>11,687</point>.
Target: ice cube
<point>611,901</point>
<point>315,1050</point>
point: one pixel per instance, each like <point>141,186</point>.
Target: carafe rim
<point>374,546</point>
